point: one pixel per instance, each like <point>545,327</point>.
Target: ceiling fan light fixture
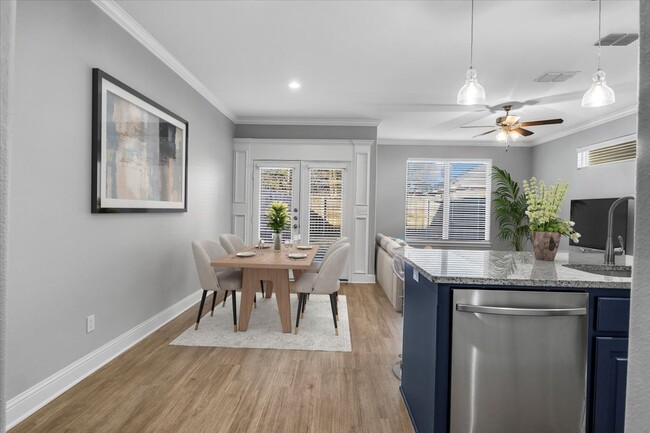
<point>472,92</point>
<point>502,136</point>
<point>599,94</point>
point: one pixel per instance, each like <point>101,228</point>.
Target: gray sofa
<point>392,286</point>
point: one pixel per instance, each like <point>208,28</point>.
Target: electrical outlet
<point>90,324</point>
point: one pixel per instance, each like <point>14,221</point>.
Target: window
<point>622,149</point>
<point>447,200</point>
<point>325,207</point>
<point>275,184</point>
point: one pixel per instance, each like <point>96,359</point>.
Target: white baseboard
<point>362,279</point>
<point>31,400</point>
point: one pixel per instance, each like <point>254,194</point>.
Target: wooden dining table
<point>271,267</point>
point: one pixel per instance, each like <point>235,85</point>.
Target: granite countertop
<point>509,268</point>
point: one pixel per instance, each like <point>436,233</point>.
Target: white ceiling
<point>400,62</point>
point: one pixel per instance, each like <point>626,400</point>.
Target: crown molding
<point>588,125</point>
<point>447,143</point>
<point>128,23</point>
<point>303,121</point>
<point>301,141</point>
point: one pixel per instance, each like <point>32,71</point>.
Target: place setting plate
<point>296,256</point>
<point>304,247</point>
<point>246,254</point>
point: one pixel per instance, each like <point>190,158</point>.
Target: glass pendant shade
<point>599,94</point>
<point>502,136</point>
<point>472,92</point>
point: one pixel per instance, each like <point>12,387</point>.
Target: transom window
<point>447,200</point>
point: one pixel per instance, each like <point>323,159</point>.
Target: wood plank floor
<point>155,387</point>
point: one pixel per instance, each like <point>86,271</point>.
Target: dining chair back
<point>315,267</point>
<point>232,243</point>
<point>325,282</point>
<point>214,279</point>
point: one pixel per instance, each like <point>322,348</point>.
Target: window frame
<point>481,244</point>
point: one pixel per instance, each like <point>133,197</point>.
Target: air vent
<point>606,153</point>
<point>617,39</point>
<point>555,77</point>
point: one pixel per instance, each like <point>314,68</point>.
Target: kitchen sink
<point>609,271</point>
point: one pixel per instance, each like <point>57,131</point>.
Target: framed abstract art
<point>139,155</point>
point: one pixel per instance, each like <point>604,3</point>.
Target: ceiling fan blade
<point>489,126</point>
<point>542,122</point>
<point>522,131</point>
<point>485,133</point>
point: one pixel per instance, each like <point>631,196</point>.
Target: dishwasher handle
<point>511,311</point>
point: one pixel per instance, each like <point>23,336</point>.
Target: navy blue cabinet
<point>427,351</point>
<point>610,372</point>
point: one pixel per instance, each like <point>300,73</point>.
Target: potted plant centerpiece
<point>544,220</point>
<point>278,220</point>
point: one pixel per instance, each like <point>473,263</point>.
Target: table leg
<point>268,288</point>
<point>250,280</point>
<point>281,282</point>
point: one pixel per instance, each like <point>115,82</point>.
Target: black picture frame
<point>160,182</point>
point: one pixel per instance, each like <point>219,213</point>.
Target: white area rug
<point>264,329</point>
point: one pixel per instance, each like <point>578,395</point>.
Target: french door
<point>315,193</point>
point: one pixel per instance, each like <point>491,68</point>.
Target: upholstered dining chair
<point>215,279</point>
<point>325,282</point>
<point>315,266</point>
<point>234,244</point>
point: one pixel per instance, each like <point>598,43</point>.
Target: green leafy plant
<point>278,216</point>
<point>509,206</point>
<point>544,208</point>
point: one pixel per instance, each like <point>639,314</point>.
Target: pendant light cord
<point>599,24</point>
<point>471,39</point>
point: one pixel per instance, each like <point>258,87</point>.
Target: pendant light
<point>472,92</point>
<point>599,94</point>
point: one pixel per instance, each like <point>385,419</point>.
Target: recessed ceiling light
<point>295,85</point>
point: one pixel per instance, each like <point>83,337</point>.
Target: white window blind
<point>275,184</point>
<point>606,153</point>
<point>325,207</point>
<point>447,200</point>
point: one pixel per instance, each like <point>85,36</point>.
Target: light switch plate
<point>90,324</point>
<point>416,276</point>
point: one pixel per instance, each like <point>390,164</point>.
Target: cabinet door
<point>610,372</point>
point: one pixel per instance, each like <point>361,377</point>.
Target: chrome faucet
<point>610,253</point>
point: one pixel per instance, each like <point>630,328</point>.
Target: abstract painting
<point>139,151</point>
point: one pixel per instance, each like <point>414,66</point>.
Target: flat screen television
<point>590,216</point>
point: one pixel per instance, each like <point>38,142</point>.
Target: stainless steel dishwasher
<point>519,362</point>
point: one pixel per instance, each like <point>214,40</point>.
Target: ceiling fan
<point>509,127</point>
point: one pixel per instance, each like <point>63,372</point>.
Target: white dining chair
<point>215,279</point>
<point>325,282</point>
<point>315,266</point>
<point>234,244</point>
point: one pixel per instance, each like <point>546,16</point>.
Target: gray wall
<point>557,159</point>
<point>391,184</point>
<point>307,132</point>
<point>7,28</point>
<point>638,383</point>
<point>66,263</point>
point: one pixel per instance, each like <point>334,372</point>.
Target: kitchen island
<point>499,342</point>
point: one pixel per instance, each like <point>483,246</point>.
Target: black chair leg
<point>255,300</point>
<point>198,318</point>
<point>333,305</point>
<point>234,307</point>
<point>301,306</point>
<point>336,304</point>
<point>304,303</point>
<point>262,287</point>
<point>214,300</point>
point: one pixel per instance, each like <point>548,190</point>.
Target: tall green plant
<point>278,216</point>
<point>509,206</point>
